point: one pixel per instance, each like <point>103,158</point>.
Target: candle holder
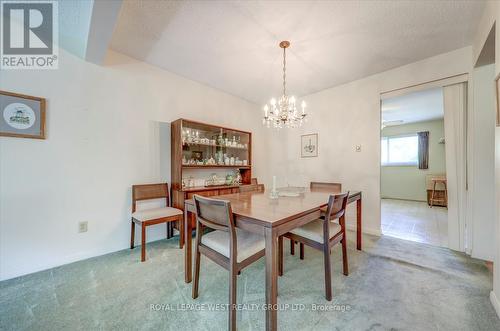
<point>274,194</point>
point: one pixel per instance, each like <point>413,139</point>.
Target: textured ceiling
<point>414,107</point>
<point>233,45</point>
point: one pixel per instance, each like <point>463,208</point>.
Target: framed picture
<point>309,145</point>
<point>22,116</point>
<point>497,91</point>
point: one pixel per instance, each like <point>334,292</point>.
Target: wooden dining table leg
<point>358,224</point>
<point>271,239</point>
<point>143,242</point>
<point>187,247</point>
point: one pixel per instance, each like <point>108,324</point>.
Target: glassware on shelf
<point>229,179</point>
<point>220,139</point>
<point>237,177</point>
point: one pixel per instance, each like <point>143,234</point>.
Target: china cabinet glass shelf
<point>210,145</point>
<point>194,166</point>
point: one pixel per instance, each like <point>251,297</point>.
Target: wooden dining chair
<point>252,188</point>
<point>327,187</point>
<point>147,217</point>
<point>323,234</point>
<point>228,246</point>
<point>322,187</point>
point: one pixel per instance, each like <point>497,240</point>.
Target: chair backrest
<point>336,206</point>
<point>252,188</point>
<point>149,192</point>
<point>254,181</point>
<point>214,213</point>
<point>329,187</point>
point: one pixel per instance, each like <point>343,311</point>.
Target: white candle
<point>274,183</point>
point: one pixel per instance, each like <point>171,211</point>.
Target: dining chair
<point>252,188</point>
<point>322,187</point>
<point>323,234</point>
<point>228,246</point>
<point>329,187</point>
<point>147,217</point>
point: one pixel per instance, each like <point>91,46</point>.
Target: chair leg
<point>344,255</point>
<point>432,195</point>
<point>292,247</point>
<point>280,256</point>
<point>132,234</point>
<point>169,230</point>
<point>181,233</point>
<point>143,243</point>
<point>196,277</point>
<point>232,298</point>
<point>301,251</point>
<point>328,273</point>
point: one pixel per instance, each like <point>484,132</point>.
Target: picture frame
<point>22,116</point>
<point>309,145</point>
<point>497,93</point>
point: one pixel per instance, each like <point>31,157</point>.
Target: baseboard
<point>495,302</point>
<point>402,199</point>
<point>373,232</point>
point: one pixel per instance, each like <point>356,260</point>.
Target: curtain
<point>423,150</point>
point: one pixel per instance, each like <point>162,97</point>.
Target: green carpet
<point>393,285</point>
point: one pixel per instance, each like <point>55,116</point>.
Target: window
<point>400,150</point>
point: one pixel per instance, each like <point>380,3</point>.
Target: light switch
<point>358,148</point>
<point>83,226</point>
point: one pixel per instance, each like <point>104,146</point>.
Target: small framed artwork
<point>309,145</point>
<point>22,116</point>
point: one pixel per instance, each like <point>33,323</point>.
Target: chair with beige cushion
<point>252,188</point>
<point>323,234</point>
<point>228,246</point>
<point>318,187</point>
<point>147,217</point>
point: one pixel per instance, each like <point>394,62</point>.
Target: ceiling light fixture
<point>284,113</point>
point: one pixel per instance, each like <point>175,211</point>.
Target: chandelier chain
<point>284,71</point>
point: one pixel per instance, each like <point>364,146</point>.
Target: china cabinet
<point>208,160</point>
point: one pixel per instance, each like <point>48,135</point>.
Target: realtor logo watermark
<point>29,34</point>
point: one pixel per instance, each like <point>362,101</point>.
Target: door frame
<point>460,243</point>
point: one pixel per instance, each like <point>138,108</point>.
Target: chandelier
<point>283,113</point>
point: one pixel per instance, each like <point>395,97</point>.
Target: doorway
<point>414,188</point>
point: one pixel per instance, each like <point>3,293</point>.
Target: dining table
<point>270,216</point>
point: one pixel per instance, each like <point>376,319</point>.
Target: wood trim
<point>497,94</point>
<point>424,83</point>
<point>216,125</point>
<point>43,104</point>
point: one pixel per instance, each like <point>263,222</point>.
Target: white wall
<point>348,115</point>
<point>104,125</point>
<point>482,188</point>
<point>409,182</point>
